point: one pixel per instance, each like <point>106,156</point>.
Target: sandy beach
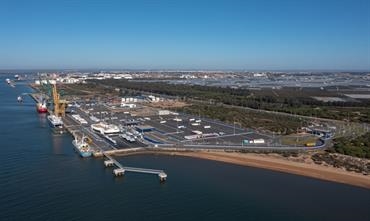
<point>278,163</point>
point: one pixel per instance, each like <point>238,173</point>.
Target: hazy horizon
<point>16,70</point>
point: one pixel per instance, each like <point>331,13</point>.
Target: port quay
<point>99,152</point>
<point>134,127</point>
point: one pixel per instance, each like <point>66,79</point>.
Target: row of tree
<point>290,101</point>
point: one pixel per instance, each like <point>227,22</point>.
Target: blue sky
<point>249,34</point>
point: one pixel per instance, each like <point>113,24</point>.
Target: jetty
<point>121,169</point>
<point>100,146</point>
<point>37,96</point>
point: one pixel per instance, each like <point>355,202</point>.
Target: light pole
<point>234,125</point>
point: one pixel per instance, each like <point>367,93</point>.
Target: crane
<point>59,105</point>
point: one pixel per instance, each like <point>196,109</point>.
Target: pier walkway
<point>121,169</point>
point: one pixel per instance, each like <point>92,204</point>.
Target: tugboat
<point>82,147</point>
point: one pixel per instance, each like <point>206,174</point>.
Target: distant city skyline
<point>185,35</point>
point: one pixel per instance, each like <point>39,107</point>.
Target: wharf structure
<point>101,148</point>
<point>121,169</point>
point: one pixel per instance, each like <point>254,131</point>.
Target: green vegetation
<point>215,94</point>
<point>341,161</point>
<point>357,147</point>
<point>86,89</point>
<point>289,100</point>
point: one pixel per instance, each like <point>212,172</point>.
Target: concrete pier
<point>118,172</point>
<point>108,163</point>
<point>162,177</point>
<point>35,97</point>
<point>121,169</point>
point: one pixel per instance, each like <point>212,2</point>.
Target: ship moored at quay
<point>55,121</point>
<point>82,147</point>
<point>41,107</point>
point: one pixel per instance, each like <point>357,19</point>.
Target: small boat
<point>82,147</point>
<point>20,99</point>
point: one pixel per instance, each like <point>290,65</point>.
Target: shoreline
<point>274,163</point>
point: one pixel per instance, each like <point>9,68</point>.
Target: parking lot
<point>188,129</point>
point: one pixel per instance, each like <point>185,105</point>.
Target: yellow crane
<point>59,105</point>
